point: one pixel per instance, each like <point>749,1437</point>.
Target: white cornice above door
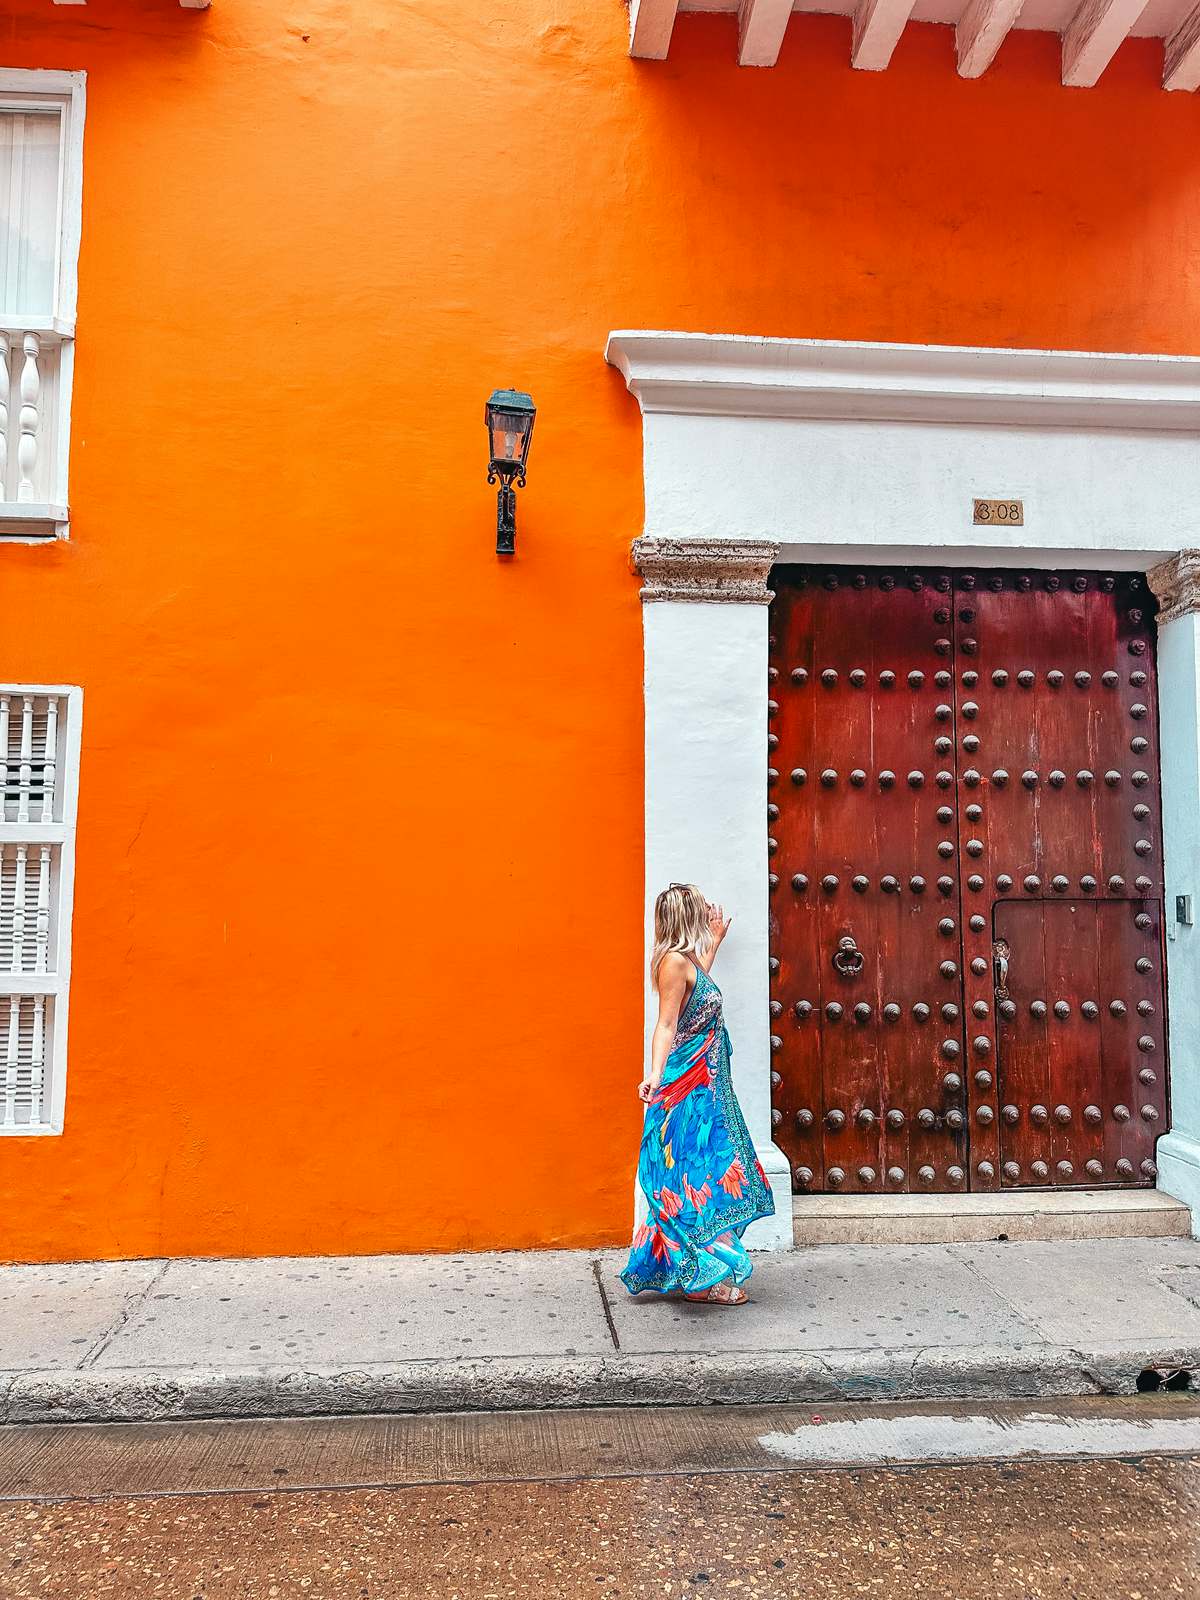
<point>824,444</point>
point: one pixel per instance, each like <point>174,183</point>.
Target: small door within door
<point>1080,1040</point>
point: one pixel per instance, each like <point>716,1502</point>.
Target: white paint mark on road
<point>979,1437</point>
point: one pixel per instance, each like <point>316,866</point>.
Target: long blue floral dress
<point>697,1168</point>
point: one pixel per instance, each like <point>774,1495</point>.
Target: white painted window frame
<point>56,986</point>
<point>35,89</point>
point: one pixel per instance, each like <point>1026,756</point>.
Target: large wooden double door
<point>966,880</point>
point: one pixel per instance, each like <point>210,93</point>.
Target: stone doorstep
<point>1018,1215</point>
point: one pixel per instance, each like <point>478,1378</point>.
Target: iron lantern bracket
<point>510,476</point>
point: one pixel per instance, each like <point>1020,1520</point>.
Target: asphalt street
<point>1092,1499</point>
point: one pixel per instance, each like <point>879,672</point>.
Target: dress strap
<point>700,973</point>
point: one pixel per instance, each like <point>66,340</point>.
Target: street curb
<point>510,1383</point>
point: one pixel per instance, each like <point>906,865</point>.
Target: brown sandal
<point>721,1294</point>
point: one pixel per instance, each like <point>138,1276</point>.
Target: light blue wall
<point>1179,712</point>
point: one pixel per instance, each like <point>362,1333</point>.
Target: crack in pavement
<point>604,1304</point>
<point>134,1304</point>
<point>1001,1296</point>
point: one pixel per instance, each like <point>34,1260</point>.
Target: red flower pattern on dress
<point>734,1178</point>
<point>670,1205</point>
<point>697,1076</point>
<point>660,1245</point>
<point>699,1198</point>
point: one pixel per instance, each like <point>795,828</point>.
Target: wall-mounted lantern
<point>509,416</point>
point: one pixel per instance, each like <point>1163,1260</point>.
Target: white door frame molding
<point>1176,582</point>
<point>705,636</point>
<point>757,450</point>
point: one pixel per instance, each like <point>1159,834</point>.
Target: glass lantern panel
<point>509,433</point>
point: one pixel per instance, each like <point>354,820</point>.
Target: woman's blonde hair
<point>680,924</point>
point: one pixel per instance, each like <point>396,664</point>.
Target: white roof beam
<point>878,25</point>
<point>650,25</point>
<point>761,27</point>
<point>1181,54</point>
<point>1093,36</point>
<point>981,30</point>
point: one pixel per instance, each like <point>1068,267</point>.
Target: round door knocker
<point>848,958</point>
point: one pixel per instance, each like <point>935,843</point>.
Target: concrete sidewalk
<point>151,1340</point>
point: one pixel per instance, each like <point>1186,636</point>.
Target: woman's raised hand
<point>718,922</point>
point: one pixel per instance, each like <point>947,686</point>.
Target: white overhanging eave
<point>188,5</point>
<point>740,375</point>
<point>1090,34</point>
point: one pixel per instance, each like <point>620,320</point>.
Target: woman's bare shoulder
<point>674,969</point>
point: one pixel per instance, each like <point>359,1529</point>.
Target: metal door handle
<point>1000,955</point>
<point>848,959</point>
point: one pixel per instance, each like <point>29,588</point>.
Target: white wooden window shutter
<point>39,780</point>
<point>41,202</point>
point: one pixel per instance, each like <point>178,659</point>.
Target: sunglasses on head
<point>688,886</point>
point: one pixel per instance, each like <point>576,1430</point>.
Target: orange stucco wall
<point>358,910</point>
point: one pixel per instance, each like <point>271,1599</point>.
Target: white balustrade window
<point>41,186</point>
<point>39,767</point>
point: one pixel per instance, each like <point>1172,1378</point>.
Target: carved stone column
<point>1176,582</point>
<point>705,632</point>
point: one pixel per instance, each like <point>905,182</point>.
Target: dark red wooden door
<point>1057,677</point>
<point>869,1062</point>
<point>957,761</point>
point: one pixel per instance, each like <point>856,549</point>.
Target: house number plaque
<point>1009,512</point>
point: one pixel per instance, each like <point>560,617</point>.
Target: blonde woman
<point>697,1168</point>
